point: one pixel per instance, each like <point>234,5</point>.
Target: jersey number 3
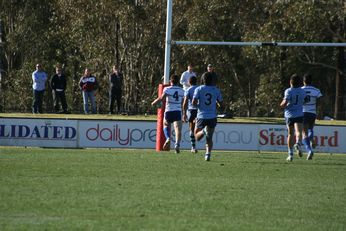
<point>208,98</point>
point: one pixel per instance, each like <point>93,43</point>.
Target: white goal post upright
<point>168,42</point>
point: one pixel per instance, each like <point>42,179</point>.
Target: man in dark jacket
<point>115,89</point>
<point>58,86</point>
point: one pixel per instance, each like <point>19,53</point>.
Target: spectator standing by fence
<point>88,84</point>
<point>58,86</point>
<point>115,89</point>
<point>186,75</point>
<point>39,78</point>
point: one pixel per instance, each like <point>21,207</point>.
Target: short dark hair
<point>207,78</point>
<point>175,79</point>
<point>193,80</point>
<point>307,79</point>
<point>296,80</point>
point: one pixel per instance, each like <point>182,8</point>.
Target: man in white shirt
<point>185,77</point>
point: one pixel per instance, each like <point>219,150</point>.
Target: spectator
<point>215,77</point>
<point>39,78</point>
<point>88,84</point>
<point>115,89</point>
<point>185,77</point>
<point>58,86</point>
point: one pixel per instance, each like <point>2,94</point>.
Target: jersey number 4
<point>176,96</point>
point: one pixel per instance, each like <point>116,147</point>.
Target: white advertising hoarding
<point>38,132</point>
<point>117,134</point>
<point>327,138</point>
<point>142,134</point>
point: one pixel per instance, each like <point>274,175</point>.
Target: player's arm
<point>159,99</point>
<point>185,103</point>
<point>221,105</point>
<point>283,103</point>
<point>195,102</point>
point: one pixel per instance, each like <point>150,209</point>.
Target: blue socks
<point>306,142</point>
<point>167,132</point>
<point>192,138</point>
<point>310,134</point>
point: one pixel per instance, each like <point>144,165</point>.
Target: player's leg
<point>209,140</point>
<point>298,127</point>
<point>309,121</point>
<point>192,136</point>
<point>306,139</point>
<point>290,139</point>
<point>209,132</point>
<point>192,114</point>
<point>199,133</point>
<point>177,129</point>
<point>311,130</point>
<point>167,133</point>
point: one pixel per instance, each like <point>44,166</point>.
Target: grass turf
<point>102,189</point>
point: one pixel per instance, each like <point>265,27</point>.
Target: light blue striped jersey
<point>207,97</point>
<point>295,98</point>
<point>189,95</point>
<point>312,94</point>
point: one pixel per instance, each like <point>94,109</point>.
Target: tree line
<point>131,34</point>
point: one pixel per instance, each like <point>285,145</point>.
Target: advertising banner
<point>142,134</point>
<point>117,134</point>
<point>38,132</point>
<point>327,138</point>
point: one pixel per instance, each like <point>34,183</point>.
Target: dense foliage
<point>131,34</point>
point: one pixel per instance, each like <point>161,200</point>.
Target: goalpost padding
<point>160,136</point>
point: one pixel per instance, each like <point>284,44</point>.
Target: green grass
<point>102,189</point>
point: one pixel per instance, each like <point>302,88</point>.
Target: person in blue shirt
<point>39,78</point>
<point>206,97</point>
<point>190,111</point>
<point>294,98</point>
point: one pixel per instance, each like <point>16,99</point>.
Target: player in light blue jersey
<point>293,104</point>
<point>190,111</point>
<point>206,98</point>
<point>309,109</point>
<point>173,95</point>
